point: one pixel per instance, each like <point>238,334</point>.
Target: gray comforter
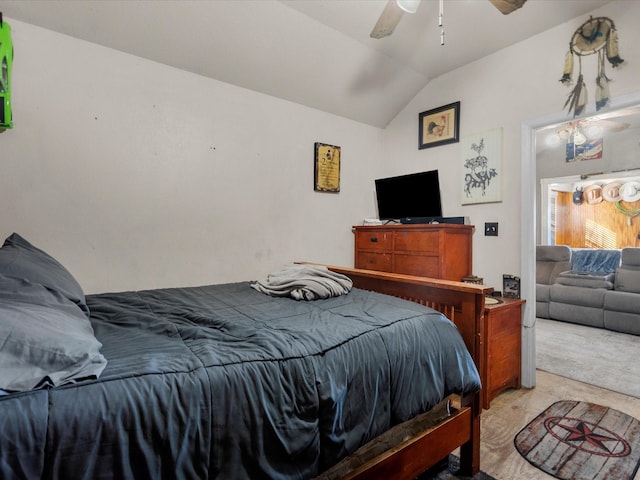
<point>225,382</point>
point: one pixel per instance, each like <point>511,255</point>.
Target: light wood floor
<point>513,409</point>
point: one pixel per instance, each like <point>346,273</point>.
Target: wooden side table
<point>503,347</point>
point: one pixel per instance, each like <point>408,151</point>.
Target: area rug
<point>449,471</point>
<point>574,440</point>
<point>590,355</point>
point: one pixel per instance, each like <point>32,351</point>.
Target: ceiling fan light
<point>409,6</point>
<point>579,138</point>
<point>564,133</point>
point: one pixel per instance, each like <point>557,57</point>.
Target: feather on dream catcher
<point>595,36</point>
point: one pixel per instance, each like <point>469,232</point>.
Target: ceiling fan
<point>395,9</point>
<point>580,131</point>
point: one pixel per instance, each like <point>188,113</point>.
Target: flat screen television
<point>413,198</point>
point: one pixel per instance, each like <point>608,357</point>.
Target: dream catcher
<point>595,36</point>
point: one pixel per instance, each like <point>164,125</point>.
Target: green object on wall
<point>6,59</point>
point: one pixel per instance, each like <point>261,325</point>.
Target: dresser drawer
<point>425,242</point>
<point>421,265</point>
<point>377,241</point>
<point>374,261</point>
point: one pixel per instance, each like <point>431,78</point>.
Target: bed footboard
<point>463,303</point>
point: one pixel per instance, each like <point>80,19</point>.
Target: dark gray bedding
<point>225,382</point>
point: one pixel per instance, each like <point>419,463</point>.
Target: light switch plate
<point>491,229</point>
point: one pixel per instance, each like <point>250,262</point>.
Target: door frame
<point>529,218</point>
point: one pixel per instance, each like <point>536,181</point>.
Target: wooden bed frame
<point>463,303</point>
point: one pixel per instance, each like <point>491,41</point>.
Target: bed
<point>224,381</point>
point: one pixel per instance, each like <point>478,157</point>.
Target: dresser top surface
<point>415,226</point>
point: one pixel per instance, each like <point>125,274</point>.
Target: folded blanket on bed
<point>305,282</point>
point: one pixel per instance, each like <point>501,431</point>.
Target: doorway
<point>530,225</point>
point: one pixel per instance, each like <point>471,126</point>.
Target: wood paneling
<point>595,226</point>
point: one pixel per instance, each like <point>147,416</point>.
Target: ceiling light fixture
<point>409,6</point>
<point>578,137</point>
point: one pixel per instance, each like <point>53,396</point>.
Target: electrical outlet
<point>491,229</point>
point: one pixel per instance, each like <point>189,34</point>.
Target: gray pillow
<point>20,259</point>
<point>45,339</point>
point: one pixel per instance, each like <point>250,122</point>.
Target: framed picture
<point>590,150</point>
<point>482,167</point>
<point>510,286</point>
<point>439,126</point>
<point>326,176</point>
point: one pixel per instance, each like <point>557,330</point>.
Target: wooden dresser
<point>431,250</point>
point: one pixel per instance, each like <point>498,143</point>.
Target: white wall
<point>137,175</point>
<point>507,89</point>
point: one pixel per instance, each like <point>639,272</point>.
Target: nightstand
<point>503,347</point>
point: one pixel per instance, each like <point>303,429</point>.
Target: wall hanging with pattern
<point>595,36</point>
<point>482,167</point>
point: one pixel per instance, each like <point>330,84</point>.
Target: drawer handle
<point>373,239</point>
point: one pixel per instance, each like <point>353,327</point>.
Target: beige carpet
<point>591,355</point>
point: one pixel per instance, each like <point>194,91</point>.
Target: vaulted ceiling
<point>316,53</point>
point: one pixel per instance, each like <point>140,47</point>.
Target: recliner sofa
<point>622,304</point>
<point>593,287</point>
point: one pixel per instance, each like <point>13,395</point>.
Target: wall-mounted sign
<point>326,176</point>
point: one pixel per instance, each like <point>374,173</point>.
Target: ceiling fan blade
<point>609,125</point>
<point>593,127</point>
<point>388,20</point>
<point>507,6</point>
